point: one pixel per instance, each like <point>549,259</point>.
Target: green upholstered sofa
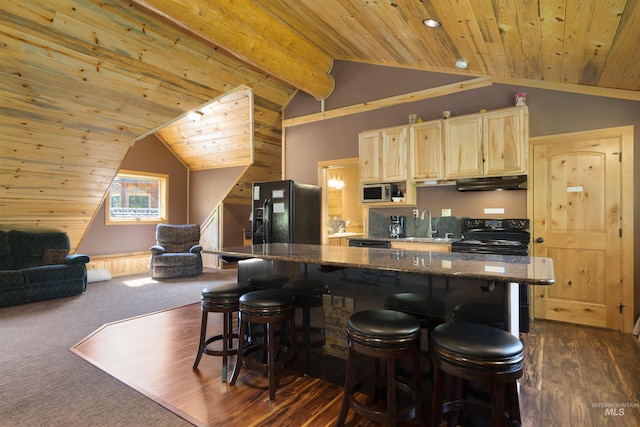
<point>37,266</point>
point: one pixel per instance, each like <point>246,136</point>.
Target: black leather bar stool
<point>308,293</point>
<point>388,336</point>
<point>220,299</point>
<point>478,352</point>
<point>268,280</point>
<point>428,310</point>
<point>267,307</point>
<point>477,312</point>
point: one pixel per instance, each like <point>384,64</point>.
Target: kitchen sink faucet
<point>430,231</point>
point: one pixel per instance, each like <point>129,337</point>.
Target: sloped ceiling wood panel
<point>587,42</point>
<point>81,79</point>
<point>219,134</point>
<point>79,82</point>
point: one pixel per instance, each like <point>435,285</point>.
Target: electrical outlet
<point>416,261</point>
<point>446,212</point>
<point>416,212</point>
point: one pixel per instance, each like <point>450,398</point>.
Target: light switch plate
<point>446,212</point>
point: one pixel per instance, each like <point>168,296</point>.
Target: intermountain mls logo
<point>613,409</point>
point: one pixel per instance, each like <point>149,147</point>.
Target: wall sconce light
<point>194,116</point>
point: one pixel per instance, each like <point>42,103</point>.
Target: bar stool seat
<point>267,307</point>
<point>388,336</point>
<point>478,352</point>
<point>428,310</point>
<point>268,280</point>
<point>222,299</point>
<point>308,293</point>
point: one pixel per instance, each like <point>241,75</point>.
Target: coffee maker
<point>396,228</point>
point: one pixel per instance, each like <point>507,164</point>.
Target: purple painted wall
<point>147,155</point>
<point>550,112</point>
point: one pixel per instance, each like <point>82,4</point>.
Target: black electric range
<point>494,236</point>
<point>499,237</point>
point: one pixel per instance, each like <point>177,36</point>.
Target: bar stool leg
<point>348,387</point>
<point>238,365</point>
<point>203,338</point>
<point>498,398</point>
<point>438,397</point>
<point>513,402</point>
<point>271,352</point>
<point>227,342</point>
<point>391,392</point>
<point>417,377</point>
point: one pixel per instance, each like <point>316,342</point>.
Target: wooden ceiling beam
<point>255,36</point>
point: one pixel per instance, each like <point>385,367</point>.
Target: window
<point>137,197</point>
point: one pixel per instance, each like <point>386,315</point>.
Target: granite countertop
<point>509,268</point>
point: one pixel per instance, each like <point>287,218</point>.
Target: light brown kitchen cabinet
<point>369,151</point>
<point>338,241</point>
<point>425,151</point>
<point>383,155</point>
<point>505,136</point>
<point>487,144</point>
<point>463,146</point>
<point>420,246</point>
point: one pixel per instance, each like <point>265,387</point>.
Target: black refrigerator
<point>285,212</point>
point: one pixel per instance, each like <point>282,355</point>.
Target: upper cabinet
<point>463,146</point>
<point>425,150</point>
<point>505,134</point>
<point>486,144</point>
<point>383,155</point>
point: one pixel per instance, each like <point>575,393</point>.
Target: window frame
<point>163,199</point>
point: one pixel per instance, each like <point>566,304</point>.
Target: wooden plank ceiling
<point>80,80</point>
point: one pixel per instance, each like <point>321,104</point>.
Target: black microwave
<point>376,193</point>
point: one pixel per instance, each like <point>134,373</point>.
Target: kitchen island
<point>509,270</point>
<point>362,278</point>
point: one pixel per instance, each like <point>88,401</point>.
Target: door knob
<point>539,240</point>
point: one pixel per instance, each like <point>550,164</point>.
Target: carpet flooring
<point>43,384</point>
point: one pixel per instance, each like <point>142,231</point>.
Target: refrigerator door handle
<point>267,207</point>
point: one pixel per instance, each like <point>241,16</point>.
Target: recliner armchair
<point>177,252</point>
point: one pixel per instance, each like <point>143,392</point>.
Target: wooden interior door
<point>577,223</point>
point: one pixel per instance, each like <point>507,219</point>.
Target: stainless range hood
<point>513,182</point>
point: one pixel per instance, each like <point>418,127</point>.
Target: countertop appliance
<point>377,193</point>
<point>286,212</point>
<point>396,227</point>
<point>500,237</point>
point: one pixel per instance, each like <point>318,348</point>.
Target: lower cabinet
<point>422,247</point>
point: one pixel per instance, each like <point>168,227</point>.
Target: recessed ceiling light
<point>461,63</point>
<point>194,116</point>
<point>431,23</point>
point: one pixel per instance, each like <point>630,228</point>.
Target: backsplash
<point>379,221</point>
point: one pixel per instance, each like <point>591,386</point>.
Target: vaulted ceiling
<point>81,80</point>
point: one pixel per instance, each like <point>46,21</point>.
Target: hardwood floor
<point>572,374</point>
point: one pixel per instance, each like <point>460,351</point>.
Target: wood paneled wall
<point>81,80</point>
